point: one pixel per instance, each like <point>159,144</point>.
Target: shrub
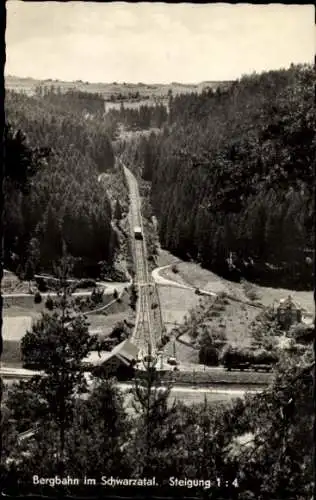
<point>133,297</point>
<point>119,332</point>
<point>236,357</point>
<point>49,304</point>
<point>41,285</point>
<point>263,356</point>
<point>302,333</point>
<point>86,283</point>
<point>250,291</point>
<point>232,356</point>
<point>37,298</point>
<point>97,295</point>
<point>209,356</point>
<point>219,308</point>
<point>215,314</point>
<point>165,339</point>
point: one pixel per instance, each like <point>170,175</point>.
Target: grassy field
<point>11,355</point>
<point>103,325</point>
<point>194,275</point>
<point>18,319</point>
<point>184,353</point>
<point>190,398</point>
<point>233,317</point>
<point>107,90</point>
<point>175,303</point>
<point>194,398</point>
<point>223,377</point>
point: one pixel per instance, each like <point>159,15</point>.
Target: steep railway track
<point>145,331</point>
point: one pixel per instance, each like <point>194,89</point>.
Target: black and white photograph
<point>157,307</point>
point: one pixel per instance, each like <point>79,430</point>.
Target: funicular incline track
<point>144,334</point>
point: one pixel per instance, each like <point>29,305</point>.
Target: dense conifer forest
<point>232,177</point>
<point>142,117</point>
<point>54,154</point>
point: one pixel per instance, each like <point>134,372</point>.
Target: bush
<point>165,339</point>
<point>219,308</point>
<point>215,314</point>
<point>41,285</point>
<point>86,283</point>
<point>97,295</point>
<point>233,356</point>
<point>119,332</point>
<point>37,298</point>
<point>236,357</point>
<point>49,304</point>
<point>250,291</point>
<point>133,297</point>
<point>302,333</point>
<point>209,356</point>
<point>264,357</point>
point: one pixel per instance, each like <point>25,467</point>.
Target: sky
<point>154,43</point>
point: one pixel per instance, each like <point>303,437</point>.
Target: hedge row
<point>237,357</point>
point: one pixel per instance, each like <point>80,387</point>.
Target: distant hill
<point>108,90</point>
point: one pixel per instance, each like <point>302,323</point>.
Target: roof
<point>97,358</point>
<point>126,352</point>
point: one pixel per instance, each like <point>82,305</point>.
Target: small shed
<point>289,312</point>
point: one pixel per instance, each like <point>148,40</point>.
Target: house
<point>289,312</point>
<point>119,362</point>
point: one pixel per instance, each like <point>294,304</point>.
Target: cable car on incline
<point>138,233</point>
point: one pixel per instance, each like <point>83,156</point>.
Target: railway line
<point>147,324</point>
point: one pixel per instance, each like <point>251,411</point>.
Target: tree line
<point>72,99</point>
<point>141,117</point>
<point>52,194</point>
<point>232,177</point>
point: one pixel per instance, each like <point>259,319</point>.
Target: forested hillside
<point>232,177</point>
<point>142,117</point>
<point>53,158</point>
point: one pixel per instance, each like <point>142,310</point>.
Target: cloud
<point>154,42</point>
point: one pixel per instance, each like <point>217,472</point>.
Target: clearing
<point>175,304</point>
<point>233,317</point>
<point>194,275</point>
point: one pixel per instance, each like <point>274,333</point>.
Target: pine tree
<point>57,344</point>
<point>150,402</point>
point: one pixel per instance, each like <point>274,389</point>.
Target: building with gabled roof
<point>119,362</point>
